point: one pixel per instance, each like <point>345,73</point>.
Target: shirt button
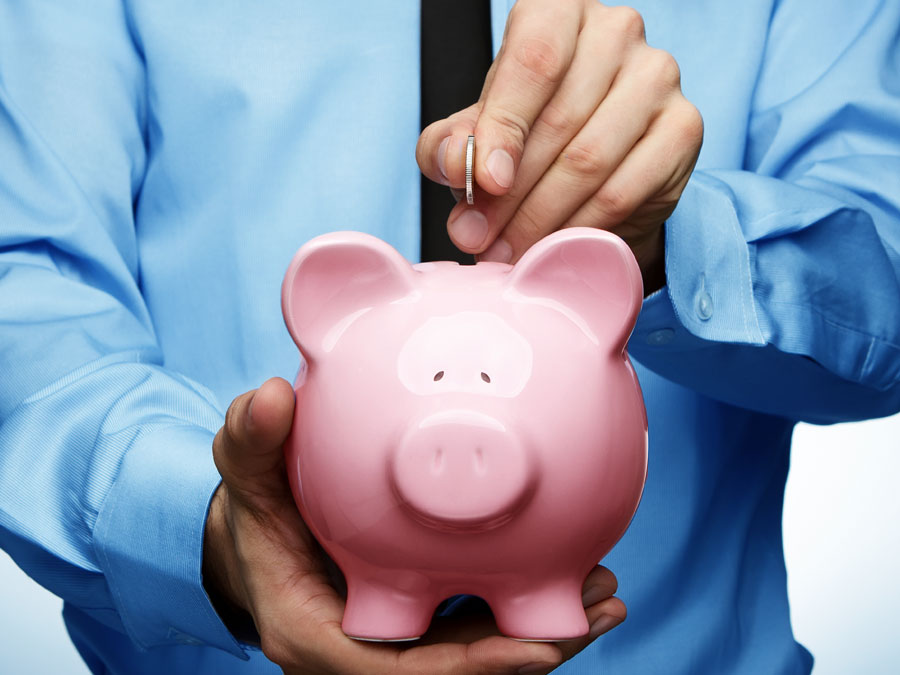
<point>660,337</point>
<point>704,305</point>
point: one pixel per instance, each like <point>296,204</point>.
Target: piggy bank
<point>472,429</point>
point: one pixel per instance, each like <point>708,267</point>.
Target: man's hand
<point>260,558</point>
<point>580,123</point>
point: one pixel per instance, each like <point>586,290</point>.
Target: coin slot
<point>486,377</point>
<point>438,375</point>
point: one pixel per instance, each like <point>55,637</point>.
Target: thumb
<point>441,150</point>
<point>248,448</point>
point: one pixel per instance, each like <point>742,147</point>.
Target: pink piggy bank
<point>466,429</point>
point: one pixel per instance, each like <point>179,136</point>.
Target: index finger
<point>537,50</point>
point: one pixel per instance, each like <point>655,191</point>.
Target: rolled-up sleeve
<point>783,277</point>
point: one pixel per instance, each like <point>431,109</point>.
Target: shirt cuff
<point>149,539</point>
<point>709,291</point>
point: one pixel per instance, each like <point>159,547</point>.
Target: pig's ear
<point>336,275</point>
<point>589,272</point>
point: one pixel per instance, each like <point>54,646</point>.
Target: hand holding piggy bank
<point>466,429</point>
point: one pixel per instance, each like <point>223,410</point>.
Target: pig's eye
<point>438,375</point>
<point>486,377</point>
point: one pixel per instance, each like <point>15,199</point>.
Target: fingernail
<point>469,229</point>
<point>592,595</point>
<point>250,408</point>
<point>604,623</point>
<point>532,668</point>
<point>499,251</point>
<point>457,193</point>
<point>442,159</point>
<point>501,167</point>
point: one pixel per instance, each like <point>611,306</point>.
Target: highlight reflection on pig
<point>466,429</point>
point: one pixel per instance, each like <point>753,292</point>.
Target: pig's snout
<point>462,470</point>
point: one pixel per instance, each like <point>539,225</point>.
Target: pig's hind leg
<point>552,611</point>
<point>380,613</point>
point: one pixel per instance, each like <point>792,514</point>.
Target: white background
<point>842,544</point>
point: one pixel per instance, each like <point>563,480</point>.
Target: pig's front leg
<point>551,611</point>
<point>382,613</point>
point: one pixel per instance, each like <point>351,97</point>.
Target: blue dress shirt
<point>160,162</point>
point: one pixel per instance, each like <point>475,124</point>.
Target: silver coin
<point>470,165</point>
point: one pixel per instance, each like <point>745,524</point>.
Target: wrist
<point>220,575</point>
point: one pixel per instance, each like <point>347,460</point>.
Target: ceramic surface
<point>466,429</point>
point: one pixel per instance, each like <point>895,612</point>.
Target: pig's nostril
<point>486,377</point>
<point>479,461</point>
<point>437,461</point>
<point>439,374</point>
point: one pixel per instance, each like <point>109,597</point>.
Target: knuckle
<point>511,125</point>
<point>583,161</point>
<point>541,60</point>
<point>593,10</point>
<point>611,205</point>
<point>628,21</point>
<point>692,124</point>
<point>514,13</point>
<point>556,121</point>
<point>664,67</point>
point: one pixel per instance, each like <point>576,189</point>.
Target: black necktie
<point>456,55</point>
